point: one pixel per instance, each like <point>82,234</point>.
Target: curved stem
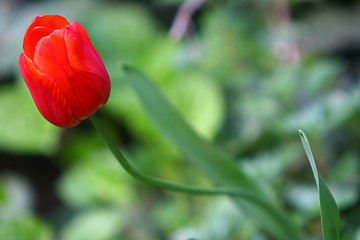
<point>157,182</point>
<point>240,193</point>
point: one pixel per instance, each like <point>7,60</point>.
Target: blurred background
<point>246,75</point>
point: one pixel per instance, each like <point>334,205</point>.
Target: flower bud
<point>63,71</point>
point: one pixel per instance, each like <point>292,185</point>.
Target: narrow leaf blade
<point>218,166</point>
<point>330,216</point>
<point>202,154</point>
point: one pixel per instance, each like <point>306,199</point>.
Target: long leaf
<point>218,166</point>
<point>330,217</point>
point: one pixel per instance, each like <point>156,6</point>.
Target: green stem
<point>239,193</point>
<point>160,183</point>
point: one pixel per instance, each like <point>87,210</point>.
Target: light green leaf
<point>25,228</point>
<point>101,182</point>
<point>22,127</point>
<point>95,224</point>
<point>330,216</point>
<point>218,166</point>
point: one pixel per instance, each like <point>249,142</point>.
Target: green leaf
<point>101,182</point>
<point>22,128</point>
<point>24,228</point>
<point>201,153</point>
<point>95,224</point>
<point>330,216</point>
<point>218,166</point>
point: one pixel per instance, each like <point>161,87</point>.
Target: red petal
<point>40,27</point>
<point>47,96</point>
<point>82,54</point>
<point>84,92</point>
<point>85,60</point>
<point>32,37</point>
<point>49,21</point>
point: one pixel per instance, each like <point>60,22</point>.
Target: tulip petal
<point>82,54</point>
<point>80,90</point>
<point>40,27</point>
<point>85,60</point>
<point>49,21</point>
<point>47,96</point>
<point>32,37</point>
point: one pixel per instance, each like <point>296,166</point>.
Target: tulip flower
<point>63,71</point>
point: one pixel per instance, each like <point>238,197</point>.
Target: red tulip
<point>63,71</point>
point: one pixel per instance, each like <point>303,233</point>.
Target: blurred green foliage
<point>26,227</point>
<point>20,116</point>
<point>243,77</point>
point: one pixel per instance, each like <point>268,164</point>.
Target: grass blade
<point>330,217</point>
